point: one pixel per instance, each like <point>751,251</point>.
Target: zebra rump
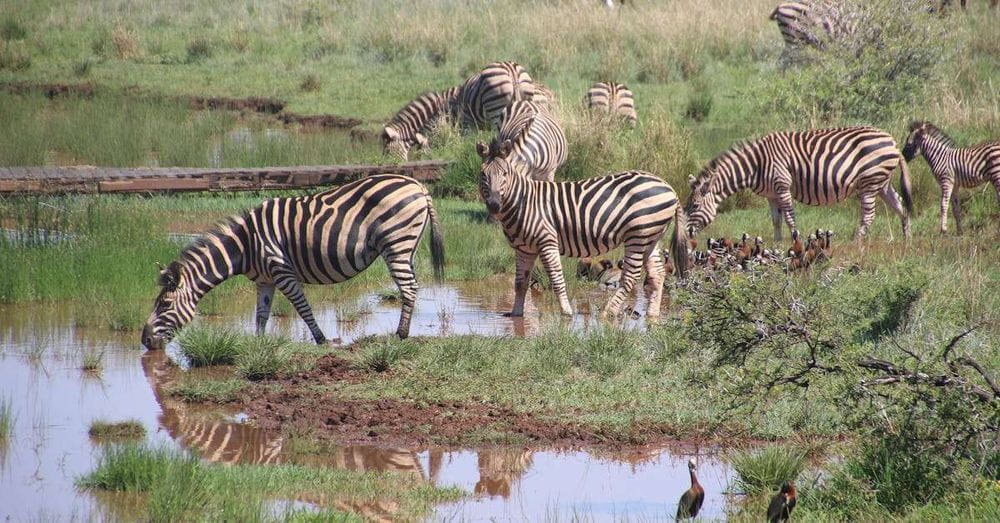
<point>485,94</point>
<point>538,142</point>
<point>613,98</point>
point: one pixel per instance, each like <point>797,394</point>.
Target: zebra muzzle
<point>493,205</point>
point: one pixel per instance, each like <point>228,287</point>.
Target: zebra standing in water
<point>953,166</point>
<point>818,167</point>
<point>582,219</point>
<point>323,238</point>
<point>407,127</point>
<point>538,144</point>
<point>484,95</point>
<point>613,98</point>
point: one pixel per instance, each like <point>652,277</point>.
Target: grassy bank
<point>178,486</point>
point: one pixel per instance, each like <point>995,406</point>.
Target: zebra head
<point>173,308</point>
<point>703,202</point>
<point>397,145</point>
<point>915,141</point>
<point>495,174</point>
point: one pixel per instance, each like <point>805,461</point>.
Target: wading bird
<point>692,499</point>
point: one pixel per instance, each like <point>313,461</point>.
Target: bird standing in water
<point>782,503</point>
<point>692,499</point>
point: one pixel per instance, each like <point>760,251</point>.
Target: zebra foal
<point>582,219</point>
<point>817,167</point>
<point>322,238</point>
<point>953,166</point>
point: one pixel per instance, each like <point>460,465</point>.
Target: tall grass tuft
<point>198,50</point>
<point>204,345</point>
<point>262,357</point>
<point>107,430</point>
<point>132,467</point>
<point>6,420</point>
<point>385,354</point>
<point>766,469</point>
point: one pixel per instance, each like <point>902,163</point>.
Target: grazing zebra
<point>613,98</point>
<point>322,238</point>
<point>544,97</point>
<point>810,23</point>
<point>484,95</point>
<point>538,142</point>
<point>407,127</point>
<point>582,219</point>
<point>817,167</point>
<point>953,166</point>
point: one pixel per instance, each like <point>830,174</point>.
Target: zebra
<point>538,142</point>
<point>613,98</point>
<point>484,95</point>
<point>544,97</point>
<point>811,23</point>
<point>582,219</point>
<point>817,167</point>
<point>407,127</point>
<point>327,237</point>
<point>953,166</point>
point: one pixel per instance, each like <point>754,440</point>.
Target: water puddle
<point>54,403</point>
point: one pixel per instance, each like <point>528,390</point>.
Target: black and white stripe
<point>539,144</point>
<point>953,166</point>
<point>612,98</point>
<point>408,127</point>
<point>812,23</point>
<point>582,219</point>
<point>817,167</point>
<point>323,238</point>
<point>485,94</point>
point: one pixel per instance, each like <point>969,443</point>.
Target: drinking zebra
<point>538,144</point>
<point>484,95</point>
<point>407,127</point>
<point>582,219</point>
<point>613,98</point>
<point>817,167</point>
<point>323,238</point>
<point>953,166</point>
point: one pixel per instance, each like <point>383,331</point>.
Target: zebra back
<point>613,98</point>
<point>485,94</point>
<point>407,126</point>
<point>538,144</point>
<point>966,166</point>
<point>811,22</point>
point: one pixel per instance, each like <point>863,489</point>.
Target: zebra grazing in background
<point>407,127</point>
<point>613,98</point>
<point>953,166</point>
<point>581,220</point>
<point>323,238</point>
<point>817,167</point>
<point>538,144</point>
<point>811,23</point>
<point>484,95</point>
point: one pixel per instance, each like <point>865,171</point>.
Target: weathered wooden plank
<point>161,184</point>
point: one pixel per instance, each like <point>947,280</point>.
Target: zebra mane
<point>224,227</point>
<point>933,132</point>
<point>708,171</point>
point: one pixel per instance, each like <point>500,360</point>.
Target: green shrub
<point>766,469</point>
<point>205,346</point>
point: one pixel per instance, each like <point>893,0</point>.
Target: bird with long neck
<point>693,497</point>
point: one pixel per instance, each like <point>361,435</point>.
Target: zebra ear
<point>505,149</point>
<point>171,276</point>
<point>421,139</point>
<point>691,180</point>
<point>390,133</point>
<point>483,150</point>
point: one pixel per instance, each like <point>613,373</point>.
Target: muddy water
<point>54,403</point>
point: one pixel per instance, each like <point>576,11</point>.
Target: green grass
<point>205,346</point>
<point>263,357</point>
<point>764,470</point>
<point>6,420</point>
<point>179,487</point>
<point>92,361</point>
<point>202,390</point>
<point>121,430</point>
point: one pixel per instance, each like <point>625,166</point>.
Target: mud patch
<point>303,403</point>
<point>251,104</point>
<point>85,90</point>
<point>319,121</point>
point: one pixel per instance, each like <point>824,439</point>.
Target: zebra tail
<point>905,189</point>
<point>679,242</point>
<point>437,242</point>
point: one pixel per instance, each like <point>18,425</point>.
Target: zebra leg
<point>401,269</point>
<point>787,210</point>
<point>776,219</point>
<point>655,275</point>
<point>522,270</point>
<point>553,265</point>
<point>289,286</point>
<point>265,298</point>
<point>946,190</point>
<point>630,273</point>
<point>867,214</point>
<point>956,210</point>
<point>891,198</point>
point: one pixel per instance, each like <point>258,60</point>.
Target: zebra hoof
<point>403,334</point>
<point>513,314</point>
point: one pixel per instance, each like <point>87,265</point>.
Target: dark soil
<point>322,121</point>
<point>51,90</point>
<point>301,403</point>
<point>252,104</point>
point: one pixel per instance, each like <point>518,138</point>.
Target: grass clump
<point>14,56</point>
<point>310,83</point>
<point>262,357</point>
<point>12,29</point>
<point>383,355</point>
<point>766,469</point>
<point>198,49</point>
<point>6,420</point>
<point>82,68</point>
<point>208,390</point>
<point>93,361</point>
<point>107,430</point>
<point>181,487</point>
<point>125,42</point>
<point>204,346</point>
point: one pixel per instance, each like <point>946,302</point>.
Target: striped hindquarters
<point>485,94</point>
<point>613,98</point>
<point>539,144</point>
<point>544,97</point>
<point>810,23</point>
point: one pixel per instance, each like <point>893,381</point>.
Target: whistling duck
<point>692,499</point>
<point>782,504</point>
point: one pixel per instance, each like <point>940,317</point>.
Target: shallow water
<point>54,403</point>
